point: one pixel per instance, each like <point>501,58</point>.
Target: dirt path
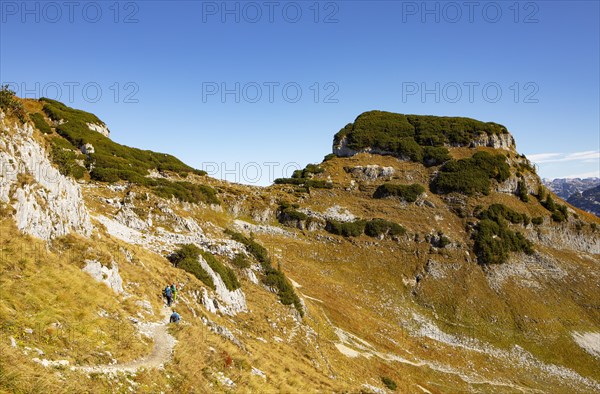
<point>161,352</point>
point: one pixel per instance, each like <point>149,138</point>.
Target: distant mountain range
<point>582,193</point>
<point>589,200</point>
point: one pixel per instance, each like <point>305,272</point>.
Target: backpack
<point>173,289</point>
<point>168,291</point>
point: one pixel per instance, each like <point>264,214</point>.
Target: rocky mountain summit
<point>423,255</point>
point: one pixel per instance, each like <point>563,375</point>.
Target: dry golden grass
<point>32,106</point>
<point>364,286</point>
<point>47,293</point>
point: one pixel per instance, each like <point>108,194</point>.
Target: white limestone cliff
<point>46,203</point>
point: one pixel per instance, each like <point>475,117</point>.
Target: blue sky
<point>252,90</point>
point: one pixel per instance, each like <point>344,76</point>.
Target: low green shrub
<point>290,214</point>
<point>443,240</point>
<point>40,123</point>
<point>434,156</point>
<point>494,242</point>
<point>308,171</point>
<point>549,203</point>
<point>273,277</point>
<point>66,158</point>
<point>522,191</point>
<point>408,193</point>
<point>497,212</point>
<point>558,216</point>
<point>107,175</point>
<point>287,295</point>
<point>537,220</point>
<point>254,248</point>
<point>347,229</point>
<point>304,179</point>
<point>559,212</point>
<point>10,104</point>
<point>389,383</point>
<point>472,175</point>
<point>408,148</point>
<point>241,261</point>
<point>382,227</point>
<point>186,258</point>
<point>541,193</point>
<point>227,274</point>
<point>314,183</point>
<point>184,191</point>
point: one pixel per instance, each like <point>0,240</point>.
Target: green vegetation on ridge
<point>112,162</point>
<point>304,178</point>
<point>416,137</point>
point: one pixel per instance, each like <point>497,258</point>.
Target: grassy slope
<point>361,285</point>
<point>465,296</point>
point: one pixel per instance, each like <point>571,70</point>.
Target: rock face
<point>497,141</point>
<point>260,228</point>
<point>371,172</point>
<point>108,276</point>
<point>235,301</point>
<point>46,203</point>
<point>341,149</point>
<point>100,128</point>
<point>127,216</point>
<point>87,149</point>
<point>565,238</point>
<point>339,213</point>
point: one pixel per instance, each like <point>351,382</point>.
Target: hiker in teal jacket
<point>174,291</point>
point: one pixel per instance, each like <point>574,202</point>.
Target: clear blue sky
<point>173,59</point>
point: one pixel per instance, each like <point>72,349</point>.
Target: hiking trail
<point>161,351</point>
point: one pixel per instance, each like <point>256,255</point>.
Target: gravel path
<point>161,352</point>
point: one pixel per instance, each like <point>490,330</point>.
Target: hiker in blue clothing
<point>174,317</point>
<point>169,294</point>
